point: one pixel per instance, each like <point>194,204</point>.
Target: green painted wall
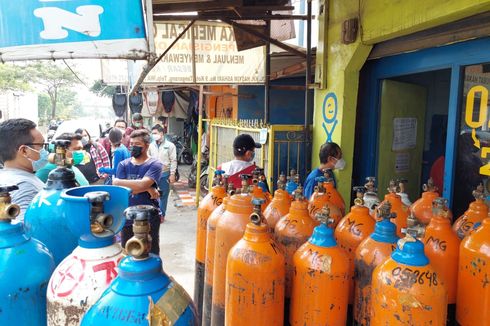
<point>338,65</point>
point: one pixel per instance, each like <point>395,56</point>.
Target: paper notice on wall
<point>404,134</point>
<point>402,162</point>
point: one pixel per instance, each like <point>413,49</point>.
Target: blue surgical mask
<point>42,161</point>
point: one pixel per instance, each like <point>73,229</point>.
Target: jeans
<point>127,233</point>
<point>164,186</point>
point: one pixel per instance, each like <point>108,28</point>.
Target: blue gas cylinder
<point>143,293</point>
<point>96,216</point>
<point>25,268</point>
<point>46,217</point>
<point>293,182</point>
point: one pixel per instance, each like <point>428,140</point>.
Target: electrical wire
<point>75,74</point>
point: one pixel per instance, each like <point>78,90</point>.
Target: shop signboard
<point>56,29</point>
<point>206,54</point>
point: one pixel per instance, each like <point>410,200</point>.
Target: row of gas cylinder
<point>63,266</point>
<point>288,261</point>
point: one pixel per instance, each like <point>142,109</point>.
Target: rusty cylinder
<point>476,212</point>
<point>371,252</point>
<point>279,206</point>
<point>255,275</point>
<point>406,290</point>
<point>473,295</point>
<point>209,203</point>
<point>321,276</point>
<point>291,232</point>
<point>209,266</point>
<point>352,230</point>
<point>229,230</point>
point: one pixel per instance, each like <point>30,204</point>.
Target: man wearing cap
<point>244,150</point>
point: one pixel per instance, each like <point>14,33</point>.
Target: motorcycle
<point>192,178</point>
<point>184,153</point>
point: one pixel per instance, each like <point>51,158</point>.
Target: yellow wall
<point>380,20</point>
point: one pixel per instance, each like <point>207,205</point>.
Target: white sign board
<point>402,162</point>
<point>217,60</point>
<point>404,134</point>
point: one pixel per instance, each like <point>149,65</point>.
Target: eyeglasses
<point>44,145</point>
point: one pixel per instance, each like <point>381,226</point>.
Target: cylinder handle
<point>384,211</point>
<point>479,192</point>
<point>370,184</point>
<point>429,186</point>
<point>359,190</point>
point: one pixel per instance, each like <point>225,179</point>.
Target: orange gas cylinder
<point>258,191</point>
<point>397,207</point>
<point>334,195</point>
<point>442,247</point>
<point>473,296</point>
<point>422,208</point>
<point>255,274</point>
<point>320,288</point>
<point>209,203</point>
<point>352,230</point>
<point>209,266</point>
<point>229,230</point>
<point>319,199</point>
<point>406,290</point>
<point>477,212</point>
<point>292,231</point>
<point>279,206</point>
<point>370,253</point>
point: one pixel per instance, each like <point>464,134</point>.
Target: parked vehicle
<point>184,153</point>
<point>192,178</point>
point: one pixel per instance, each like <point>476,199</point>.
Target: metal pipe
<point>199,140</point>
<point>307,83</point>
<point>152,63</point>
<point>267,74</point>
<point>163,18</point>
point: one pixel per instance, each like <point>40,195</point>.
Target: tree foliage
<point>100,88</point>
<point>14,78</point>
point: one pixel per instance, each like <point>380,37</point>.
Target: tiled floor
<point>186,196</point>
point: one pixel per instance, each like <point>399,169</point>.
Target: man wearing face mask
<point>330,159</point>
<point>244,151</point>
<point>141,174</point>
<point>98,159</point>
<point>75,151</point>
<point>22,151</point>
<point>164,151</point>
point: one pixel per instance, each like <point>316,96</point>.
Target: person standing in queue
<point>164,151</point>
<point>76,152</point>
<point>22,151</point>
<point>141,174</point>
<point>119,153</point>
<point>99,159</point>
<point>330,159</point>
<point>244,151</point>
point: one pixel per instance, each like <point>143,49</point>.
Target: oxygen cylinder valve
<point>298,194</point>
<point>99,221</point>
<point>384,211</point>
<point>401,185</point>
<point>413,223</point>
<point>8,211</point>
<point>320,181</point>
<point>479,192</point>
<point>412,233</point>
<point>323,216</point>
<point>140,244</point>
<point>359,190</point>
<point>281,182</point>
<point>218,177</point>
<point>59,156</point>
<point>439,207</point>
<point>256,217</point>
<point>393,187</point>
<point>245,183</point>
<point>429,186</point>
<point>370,184</point>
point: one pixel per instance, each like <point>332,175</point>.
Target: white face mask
<point>340,164</point>
<point>157,137</point>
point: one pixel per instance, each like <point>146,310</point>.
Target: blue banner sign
<point>44,29</point>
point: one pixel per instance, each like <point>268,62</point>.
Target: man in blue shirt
<point>141,174</point>
<point>330,158</point>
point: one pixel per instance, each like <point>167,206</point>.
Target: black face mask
<point>136,151</point>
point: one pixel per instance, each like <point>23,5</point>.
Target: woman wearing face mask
<point>98,159</point>
<point>330,159</point>
<point>74,151</point>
